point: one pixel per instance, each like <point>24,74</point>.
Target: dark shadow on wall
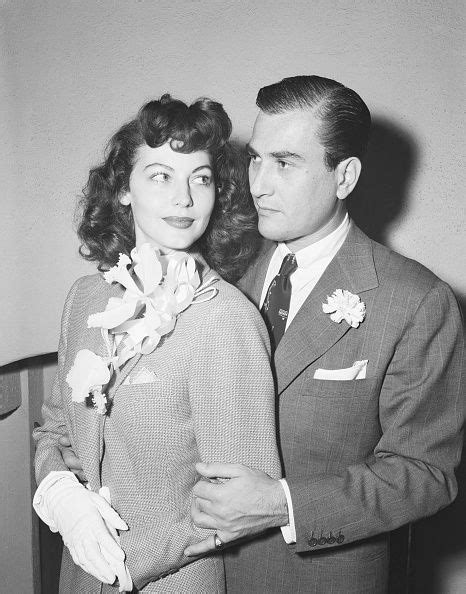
<point>379,199</point>
<point>439,546</point>
<point>439,543</point>
<point>382,192</point>
<point>424,559</point>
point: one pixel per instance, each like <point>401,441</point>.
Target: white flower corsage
<point>158,289</point>
<point>343,305</point>
<point>87,377</point>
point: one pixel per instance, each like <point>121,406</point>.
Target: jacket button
<point>331,539</point>
<point>312,542</point>
<point>322,541</point>
<point>340,538</point>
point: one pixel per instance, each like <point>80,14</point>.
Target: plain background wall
<point>72,71</point>
<point>75,70</point>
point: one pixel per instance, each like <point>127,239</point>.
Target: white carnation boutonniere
<point>343,305</point>
<point>157,289</point>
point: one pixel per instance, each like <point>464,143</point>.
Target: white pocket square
<point>355,372</point>
<point>142,376</point>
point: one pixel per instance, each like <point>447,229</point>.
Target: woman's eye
<point>202,180</point>
<point>160,177</point>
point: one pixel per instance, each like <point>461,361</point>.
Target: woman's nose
<point>182,196</point>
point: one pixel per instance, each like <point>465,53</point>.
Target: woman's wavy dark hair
<point>106,227</point>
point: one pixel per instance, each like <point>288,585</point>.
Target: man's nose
<point>182,196</point>
<point>259,182</point>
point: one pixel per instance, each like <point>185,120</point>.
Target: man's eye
<point>202,180</point>
<point>253,158</point>
<point>283,165</point>
<point>160,177</point>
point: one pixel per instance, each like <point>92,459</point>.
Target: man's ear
<point>348,172</point>
<point>125,199</point>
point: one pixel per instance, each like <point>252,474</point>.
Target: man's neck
<point>333,223</point>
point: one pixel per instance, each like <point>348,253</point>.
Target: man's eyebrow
<point>277,154</point>
<point>287,155</point>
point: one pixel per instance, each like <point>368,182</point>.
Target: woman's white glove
<point>88,526</point>
<point>124,581</point>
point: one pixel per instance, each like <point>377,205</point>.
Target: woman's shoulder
<point>226,320</point>
<point>89,283</point>
<point>228,293</point>
<point>232,306</point>
<point>86,290</point>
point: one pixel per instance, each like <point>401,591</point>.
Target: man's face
<point>294,193</point>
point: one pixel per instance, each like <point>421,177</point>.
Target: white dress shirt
<point>312,262</point>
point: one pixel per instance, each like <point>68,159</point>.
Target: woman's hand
<point>82,516</point>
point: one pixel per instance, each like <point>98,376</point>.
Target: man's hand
<point>70,458</point>
<point>248,503</point>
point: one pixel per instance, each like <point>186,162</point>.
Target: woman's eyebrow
<point>159,165</point>
<point>206,166</point>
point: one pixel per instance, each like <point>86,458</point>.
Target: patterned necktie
<point>277,301</point>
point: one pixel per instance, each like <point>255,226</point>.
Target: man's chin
<point>270,231</point>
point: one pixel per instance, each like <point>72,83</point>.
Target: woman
<point>161,363</point>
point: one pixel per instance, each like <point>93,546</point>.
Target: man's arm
<point>249,515</point>
<point>70,459</point>
<point>244,502</point>
<point>411,473</point>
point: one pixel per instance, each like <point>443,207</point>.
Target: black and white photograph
<point>233,297</point>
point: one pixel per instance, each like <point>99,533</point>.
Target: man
<point>367,359</point>
<point>368,382</point>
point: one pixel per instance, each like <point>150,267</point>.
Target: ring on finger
<point>219,544</point>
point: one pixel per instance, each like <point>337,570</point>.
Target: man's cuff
<point>288,531</point>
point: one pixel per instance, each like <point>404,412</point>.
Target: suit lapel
<point>312,332</point>
<point>253,281</point>
<point>88,422</point>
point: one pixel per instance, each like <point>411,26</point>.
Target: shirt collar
<point>328,245</point>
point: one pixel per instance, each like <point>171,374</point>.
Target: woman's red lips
<point>179,222</point>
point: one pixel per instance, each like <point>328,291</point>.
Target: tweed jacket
<point>361,457</point>
<point>211,399</point>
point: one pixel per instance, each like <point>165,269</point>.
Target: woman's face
<point>171,195</point>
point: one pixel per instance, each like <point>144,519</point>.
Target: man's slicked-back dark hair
<point>345,118</point>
